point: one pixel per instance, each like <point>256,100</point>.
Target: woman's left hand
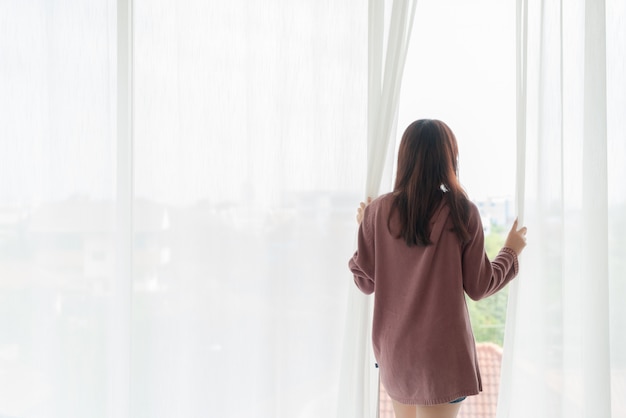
<point>361,209</point>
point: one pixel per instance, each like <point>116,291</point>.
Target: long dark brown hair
<point>427,173</point>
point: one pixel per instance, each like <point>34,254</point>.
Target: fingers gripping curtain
<point>564,346</point>
<point>358,391</point>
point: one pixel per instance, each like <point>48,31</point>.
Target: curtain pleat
<point>359,386</point>
<point>563,348</point>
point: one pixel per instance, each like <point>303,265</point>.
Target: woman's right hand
<point>516,240</point>
<point>361,209</point>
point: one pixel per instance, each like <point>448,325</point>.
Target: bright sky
<point>461,69</point>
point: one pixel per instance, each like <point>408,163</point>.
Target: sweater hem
<point>438,401</point>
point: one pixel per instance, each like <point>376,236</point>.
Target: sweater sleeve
<point>481,277</point>
<point>362,262</point>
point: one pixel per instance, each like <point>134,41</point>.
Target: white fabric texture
<point>185,256</point>
<point>565,346</point>
<point>391,21</point>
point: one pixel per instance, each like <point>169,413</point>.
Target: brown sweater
<point>422,337</point>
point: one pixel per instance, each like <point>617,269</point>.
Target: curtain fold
<point>521,71</point>
<point>119,327</point>
<point>564,344</point>
<point>389,21</point>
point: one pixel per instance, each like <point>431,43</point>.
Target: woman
<point>420,249</point>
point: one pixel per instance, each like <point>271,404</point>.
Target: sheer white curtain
<point>197,267</point>
<point>57,207</point>
<point>249,127</point>
<point>565,346</point>
<point>389,32</point>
